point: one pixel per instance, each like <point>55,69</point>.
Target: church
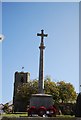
<point>19,79</point>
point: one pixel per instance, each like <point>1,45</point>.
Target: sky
<point>0,53</point>
<point>20,24</point>
<point>80,47</point>
<point>40,0</point>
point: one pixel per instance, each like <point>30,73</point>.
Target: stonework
<point>41,63</point>
<point>20,78</point>
<point>39,100</point>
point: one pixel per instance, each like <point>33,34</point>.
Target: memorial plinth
<point>39,100</point>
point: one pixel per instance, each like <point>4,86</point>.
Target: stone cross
<point>41,66</point>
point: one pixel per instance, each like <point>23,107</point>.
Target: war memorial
<point>40,99</point>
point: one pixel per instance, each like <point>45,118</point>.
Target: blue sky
<point>41,0</point>
<point>79,46</point>
<point>21,23</point>
<point>0,53</point>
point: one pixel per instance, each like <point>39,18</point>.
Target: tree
<point>51,88</point>
<point>66,92</point>
<point>6,108</point>
<point>61,91</point>
<point>78,106</point>
<point>25,91</point>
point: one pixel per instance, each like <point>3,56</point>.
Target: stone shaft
<point>41,71</point>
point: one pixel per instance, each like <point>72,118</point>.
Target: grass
<point>26,115</point>
<point>58,117</point>
<point>65,116</point>
<point>15,115</point>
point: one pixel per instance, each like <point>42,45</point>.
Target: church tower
<point>20,78</point>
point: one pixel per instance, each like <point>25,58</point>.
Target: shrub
<point>78,106</point>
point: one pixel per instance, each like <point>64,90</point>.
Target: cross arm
<point>38,34</point>
<point>45,35</point>
<point>42,35</point>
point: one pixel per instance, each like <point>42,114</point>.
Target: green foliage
<point>51,88</point>
<point>25,91</point>
<point>48,78</point>
<point>66,92</point>
<point>6,109</point>
<point>61,91</point>
<point>78,106</point>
